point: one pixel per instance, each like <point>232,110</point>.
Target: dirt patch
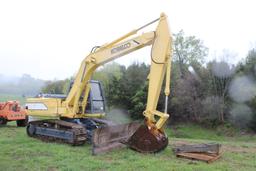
<point>239,149</point>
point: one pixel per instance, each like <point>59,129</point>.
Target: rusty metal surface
<point>110,137</point>
<point>143,140</point>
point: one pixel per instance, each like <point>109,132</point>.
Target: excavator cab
<point>96,99</point>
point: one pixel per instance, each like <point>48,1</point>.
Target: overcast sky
<point>48,39</point>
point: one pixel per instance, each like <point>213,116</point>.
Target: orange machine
<point>12,111</point>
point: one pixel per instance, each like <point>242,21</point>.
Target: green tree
<point>133,79</point>
<point>56,87</point>
<point>188,50</point>
<point>186,84</point>
<point>139,101</point>
<point>248,68</point>
<point>250,63</point>
<point>113,92</point>
<point>219,80</point>
<point>105,73</point>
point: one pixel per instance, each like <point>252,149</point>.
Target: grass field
<point>19,152</point>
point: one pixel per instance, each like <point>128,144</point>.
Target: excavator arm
<point>99,57</point>
<point>160,63</point>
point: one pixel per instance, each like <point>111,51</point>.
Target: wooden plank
<point>205,148</point>
<point>200,156</point>
<point>214,158</point>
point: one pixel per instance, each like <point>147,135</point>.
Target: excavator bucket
<point>111,137</point>
<point>134,135</point>
<point>145,141</point>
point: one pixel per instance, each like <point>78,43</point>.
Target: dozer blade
<point>144,141</point>
<point>111,137</point>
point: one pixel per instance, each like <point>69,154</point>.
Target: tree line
<point>211,93</point>
<point>25,85</point>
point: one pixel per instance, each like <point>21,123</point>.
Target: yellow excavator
<point>78,117</point>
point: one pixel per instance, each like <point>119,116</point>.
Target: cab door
<point>96,98</point>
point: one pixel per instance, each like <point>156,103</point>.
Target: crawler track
<point>57,131</point>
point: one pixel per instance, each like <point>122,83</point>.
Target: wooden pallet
<point>203,152</point>
<point>200,156</point>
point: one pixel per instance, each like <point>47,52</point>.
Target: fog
<point>242,89</point>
